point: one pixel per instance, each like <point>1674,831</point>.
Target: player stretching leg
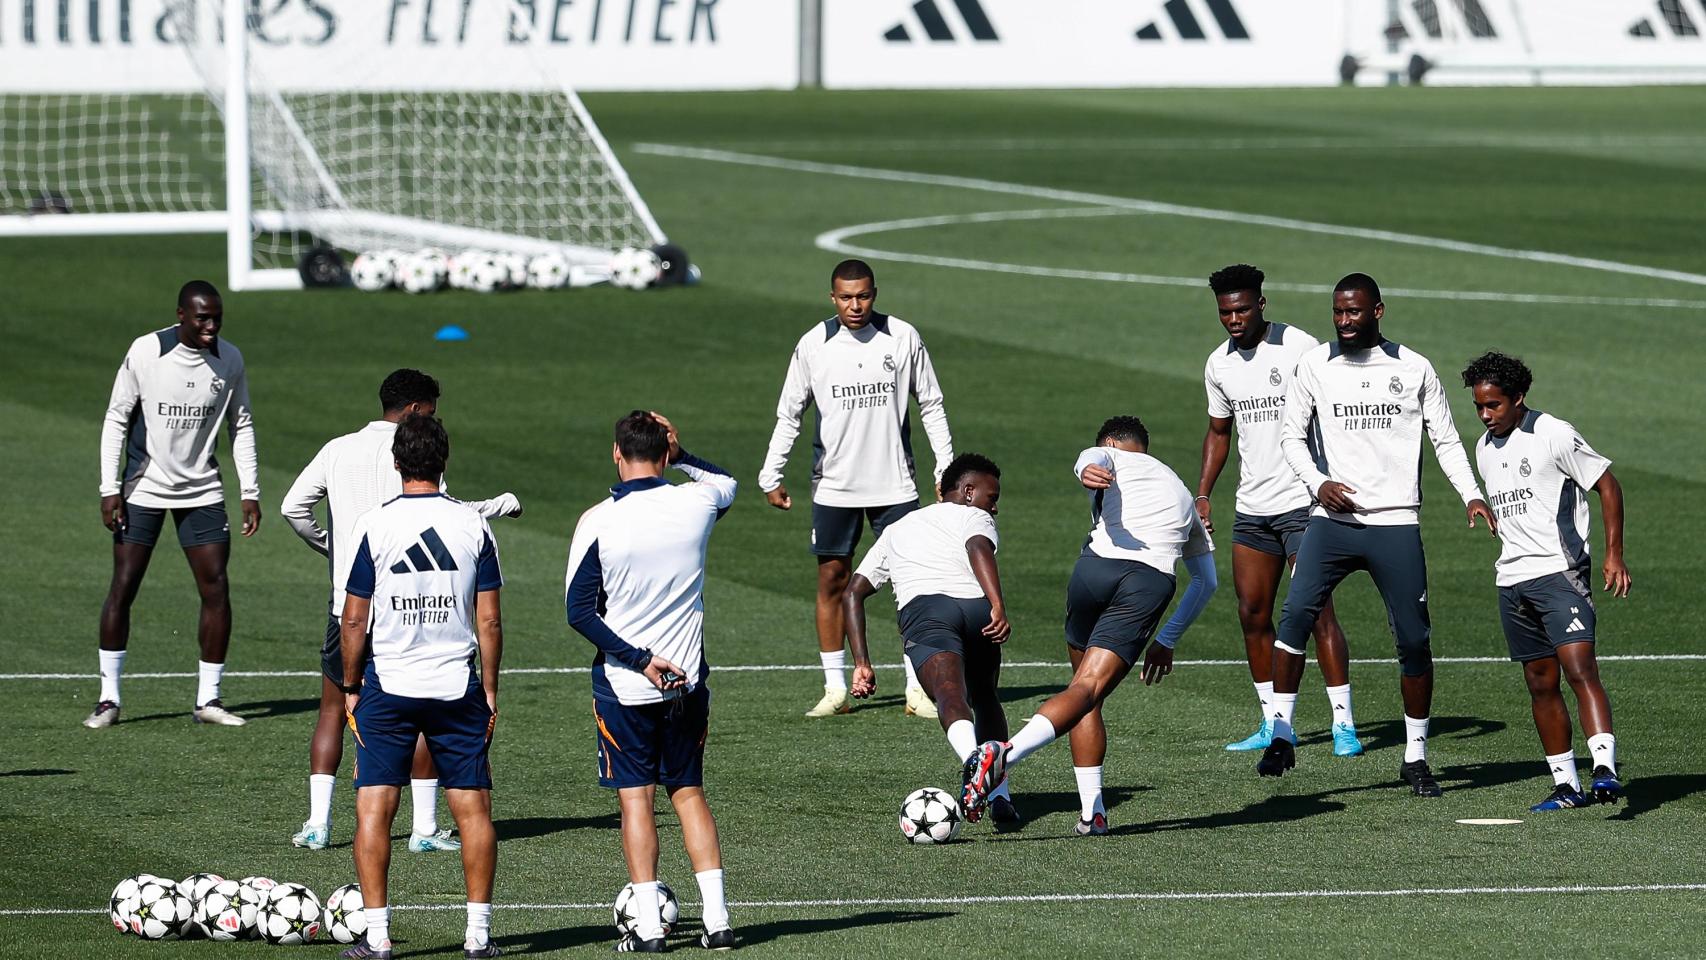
<point>636,589</point>
<point>1354,420</point>
<point>353,474</point>
<point>1246,380</point>
<point>1142,523</point>
<point>175,387</point>
<point>425,581</point>
<point>1536,468</point>
<point>858,368</point>
<point>947,589</point>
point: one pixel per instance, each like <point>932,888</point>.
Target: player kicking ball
<point>1536,468</point>
<point>1143,522</point>
<point>947,589</point>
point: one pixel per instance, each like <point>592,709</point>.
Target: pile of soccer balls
<point>929,815</point>
<point>485,271</point>
<point>253,908</point>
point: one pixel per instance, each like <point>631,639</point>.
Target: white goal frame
<point>240,219</point>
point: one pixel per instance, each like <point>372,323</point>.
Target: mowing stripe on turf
<point>1208,895</point>
<point>835,241</point>
<point>803,667</point>
<point>1155,206</point>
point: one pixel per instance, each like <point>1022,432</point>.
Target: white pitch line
<point>835,241</point>
<point>807,667</point>
<point>1169,144</point>
<point>1136,896</point>
<point>1155,206</point>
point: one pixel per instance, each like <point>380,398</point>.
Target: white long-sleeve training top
<point>163,420</point>
<point>355,473</point>
<point>860,382</point>
<point>1358,417</point>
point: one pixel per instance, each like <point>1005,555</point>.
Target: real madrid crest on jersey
<point>1523,467</point>
<point>217,385</point>
<point>1396,386</point>
<point>1274,376</point>
<point>888,363</point>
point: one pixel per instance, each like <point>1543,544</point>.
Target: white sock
<point>1415,739</point>
<point>1340,697</point>
<point>1265,696</point>
<point>1035,735</point>
<point>207,681</point>
<point>112,667</point>
<point>1089,791</point>
<point>378,927</point>
<point>911,674</point>
<point>714,914</point>
<point>1564,769</point>
<point>1285,707</point>
<point>648,920</point>
<point>424,796</point>
<point>479,924</point>
<point>320,798</point>
<point>834,669</point>
<point>1603,748</point>
<point>962,736</point>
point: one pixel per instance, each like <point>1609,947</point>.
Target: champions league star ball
<point>460,268</point>
<point>290,915</point>
<point>487,274</point>
<point>372,272</point>
<point>548,271</point>
<point>668,908</point>
<point>123,904</point>
<point>252,895</point>
<point>162,912</point>
<point>222,914</point>
<point>929,816</point>
<point>633,269</point>
<point>196,885</point>
<point>344,917</point>
<point>515,269</point>
<point>421,273</point>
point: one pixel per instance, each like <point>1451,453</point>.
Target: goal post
<point>287,148</point>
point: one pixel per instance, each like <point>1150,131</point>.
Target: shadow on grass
<point>255,710</point>
<point>801,926</point>
<point>519,828</point>
<point>36,773</point>
<point>563,938</point>
<point>1647,794</point>
<point>1034,805</point>
<point>1386,734</point>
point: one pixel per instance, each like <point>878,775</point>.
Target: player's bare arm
<point>489,628</point>
<point>112,512</point>
<point>353,626</point>
<point>251,517</point>
<point>1096,477</point>
<point>1216,444</point>
<point>1617,580</point>
<point>853,612</point>
<point>1478,508</point>
<point>982,555</point>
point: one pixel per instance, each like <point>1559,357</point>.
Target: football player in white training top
<point>1537,469</point>
<point>858,368</point>
<point>175,389</point>
<point>1246,379</point>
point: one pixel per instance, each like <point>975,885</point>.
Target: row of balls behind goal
<point>208,906</point>
<point>487,271</point>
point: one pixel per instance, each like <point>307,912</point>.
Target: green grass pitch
<point>1031,364</point>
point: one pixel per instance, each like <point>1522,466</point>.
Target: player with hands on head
<point>635,588</point>
<point>1142,524</point>
<point>952,616</point>
<point>1537,469</point>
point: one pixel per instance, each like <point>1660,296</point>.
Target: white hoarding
<point>1081,43</point>
<point>132,45</point>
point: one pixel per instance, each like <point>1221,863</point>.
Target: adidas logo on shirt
<point>422,563</point>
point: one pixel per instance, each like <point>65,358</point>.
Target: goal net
<point>292,146</point>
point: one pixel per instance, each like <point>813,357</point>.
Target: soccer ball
<point>162,912</point>
<point>253,896</point>
<point>487,274</point>
<point>420,274</point>
<point>343,917</point>
<point>222,913</point>
<point>372,272</point>
<point>122,906</point>
<point>668,908</point>
<point>548,271</point>
<point>290,915</point>
<point>461,268</point>
<point>196,885</point>
<point>515,266</point>
<point>929,816</point>
<point>633,269</point>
